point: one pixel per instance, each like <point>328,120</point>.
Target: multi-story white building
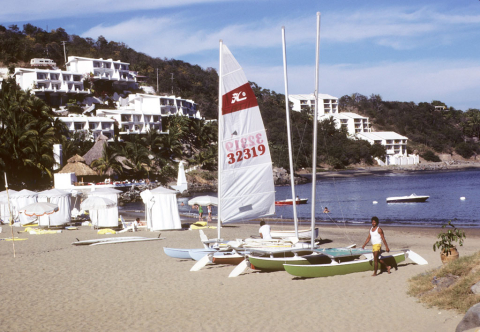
<point>395,146</point>
<point>95,125</point>
<point>353,122</point>
<point>140,113</point>
<point>55,87</point>
<point>101,69</point>
<point>326,104</point>
<point>357,127</point>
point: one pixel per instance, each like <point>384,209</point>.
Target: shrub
<point>466,150</point>
<point>430,156</point>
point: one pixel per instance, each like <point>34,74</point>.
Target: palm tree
<point>108,162</point>
<point>152,140</point>
<point>27,135</point>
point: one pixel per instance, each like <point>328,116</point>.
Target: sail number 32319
<point>245,148</point>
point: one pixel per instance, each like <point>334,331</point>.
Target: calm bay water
<point>350,200</point>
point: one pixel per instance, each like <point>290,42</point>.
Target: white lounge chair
<point>127,228</point>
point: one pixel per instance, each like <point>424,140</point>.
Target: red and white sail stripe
<point>247,189</point>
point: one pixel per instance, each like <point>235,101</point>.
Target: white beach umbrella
<point>97,203</point>
<point>204,200</point>
<point>39,209</point>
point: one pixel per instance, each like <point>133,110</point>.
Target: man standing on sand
<point>377,237</point>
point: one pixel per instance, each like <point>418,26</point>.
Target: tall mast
<point>219,142</point>
<point>289,136</point>
<point>315,121</point>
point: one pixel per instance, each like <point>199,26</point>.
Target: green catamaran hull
<point>319,256</point>
<point>276,264</point>
<point>327,270</point>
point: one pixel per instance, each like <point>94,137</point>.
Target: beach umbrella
<point>97,203</point>
<point>39,209</point>
<point>204,200</point>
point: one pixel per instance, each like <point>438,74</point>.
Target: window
<point>78,125</point>
<point>93,125</point>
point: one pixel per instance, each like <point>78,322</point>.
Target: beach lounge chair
<point>127,227</point>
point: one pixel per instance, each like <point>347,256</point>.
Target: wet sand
<point>52,285</point>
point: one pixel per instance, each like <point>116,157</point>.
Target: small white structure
<point>21,199</point>
<point>395,146</point>
<point>161,209</point>
<point>106,217</point>
<point>182,184</point>
<point>64,213</point>
<point>41,62</point>
<point>327,104</point>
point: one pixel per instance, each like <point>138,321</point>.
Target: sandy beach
<point>52,285</point>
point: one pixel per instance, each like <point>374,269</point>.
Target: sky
<point>410,50</point>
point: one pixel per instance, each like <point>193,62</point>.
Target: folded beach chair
<point>127,228</point>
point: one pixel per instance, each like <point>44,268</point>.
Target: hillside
<point>430,131</point>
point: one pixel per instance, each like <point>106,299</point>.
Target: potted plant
<point>448,250</point>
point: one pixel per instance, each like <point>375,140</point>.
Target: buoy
<point>375,202</point>
<point>462,198</point>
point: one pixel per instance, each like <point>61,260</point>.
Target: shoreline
<point>375,170</point>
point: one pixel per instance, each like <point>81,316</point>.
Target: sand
<point>52,285</point>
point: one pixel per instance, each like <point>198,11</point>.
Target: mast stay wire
<point>337,198</point>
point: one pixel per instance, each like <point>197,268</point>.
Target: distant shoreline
<point>420,168</point>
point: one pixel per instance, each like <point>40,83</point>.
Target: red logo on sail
<point>239,99</point>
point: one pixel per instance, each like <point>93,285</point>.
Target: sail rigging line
<point>336,196</point>
<point>300,148</point>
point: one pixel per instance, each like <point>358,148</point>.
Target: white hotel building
<point>358,127</point>
<point>96,125</point>
<point>54,86</point>
<point>395,146</point>
<point>328,107</point>
<point>101,69</point>
<point>135,114</point>
<point>139,113</point>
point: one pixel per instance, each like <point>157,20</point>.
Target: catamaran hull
<point>198,254</point>
<point>333,269</point>
<point>275,261</point>
<point>302,234</point>
<point>181,253</point>
<point>276,264</point>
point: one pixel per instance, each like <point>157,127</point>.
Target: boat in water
<point>413,198</point>
<point>290,201</point>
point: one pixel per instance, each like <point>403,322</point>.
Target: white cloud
<point>396,28</point>
<point>28,10</point>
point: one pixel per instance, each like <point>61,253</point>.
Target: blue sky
<point>404,50</point>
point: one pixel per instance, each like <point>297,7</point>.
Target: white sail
<point>247,189</point>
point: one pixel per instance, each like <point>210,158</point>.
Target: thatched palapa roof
<point>97,149</point>
<point>77,165</point>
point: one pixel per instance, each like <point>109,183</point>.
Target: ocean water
<point>350,200</point>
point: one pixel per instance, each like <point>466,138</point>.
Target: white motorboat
<point>413,198</point>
